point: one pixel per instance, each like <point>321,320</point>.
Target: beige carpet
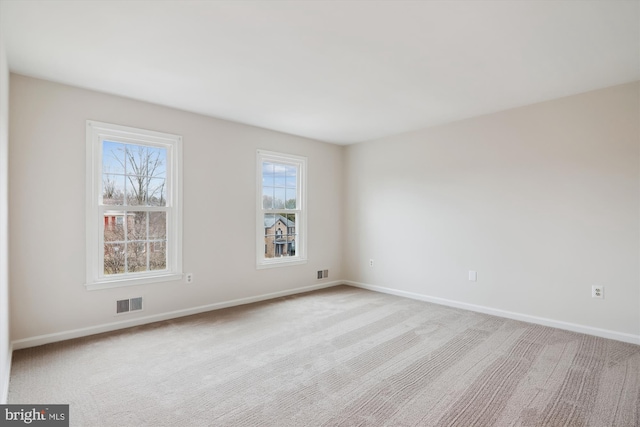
<point>338,357</point>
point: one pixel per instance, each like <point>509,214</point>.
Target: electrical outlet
<point>371,263</point>
<point>473,276</point>
<point>188,278</point>
<point>319,274</point>
<point>325,273</point>
<point>597,292</point>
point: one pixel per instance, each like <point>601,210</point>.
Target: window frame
<point>96,133</point>
<point>300,257</point>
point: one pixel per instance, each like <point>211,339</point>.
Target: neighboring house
<point>112,220</point>
<point>279,236</point>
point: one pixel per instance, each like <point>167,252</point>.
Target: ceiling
<point>335,71</point>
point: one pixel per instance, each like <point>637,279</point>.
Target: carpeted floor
<point>337,357</point>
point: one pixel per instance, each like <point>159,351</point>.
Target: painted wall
<point>5,357</point>
<point>542,201</point>
<point>47,209</point>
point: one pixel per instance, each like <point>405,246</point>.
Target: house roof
<point>269,221</point>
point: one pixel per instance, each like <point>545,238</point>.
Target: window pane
<point>269,221</point>
<point>279,198</point>
<point>291,234</point>
<point>290,220</point>
<point>157,225</point>
<point>114,226</point>
<point>136,226</point>
<point>136,257</point>
<point>156,192</point>
<point>158,255</point>
<point>157,162</point>
<point>279,179</point>
<point>291,198</point>
<point>112,189</point>
<point>113,157</point>
<point>292,180</point>
<point>136,190</point>
<point>113,258</point>
<point>267,197</point>
<point>267,174</point>
<point>269,234</point>
<point>137,160</point>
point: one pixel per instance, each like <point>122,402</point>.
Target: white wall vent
<point>127,305</point>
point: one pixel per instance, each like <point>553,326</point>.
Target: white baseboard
<point>4,378</point>
<point>108,327</point>
<point>604,333</point>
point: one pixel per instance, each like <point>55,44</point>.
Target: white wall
<point>542,201</point>
<point>47,208</point>
<point>5,356</point>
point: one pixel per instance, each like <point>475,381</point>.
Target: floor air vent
<point>127,305</point>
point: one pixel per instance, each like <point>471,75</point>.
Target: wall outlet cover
<point>597,292</point>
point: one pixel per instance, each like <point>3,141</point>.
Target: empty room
<point>320,213</point>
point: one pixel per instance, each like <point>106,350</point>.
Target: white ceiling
<point>336,71</point>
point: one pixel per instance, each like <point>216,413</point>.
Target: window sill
<point>133,281</point>
<point>280,263</point>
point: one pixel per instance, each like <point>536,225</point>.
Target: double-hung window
<point>133,219</point>
<point>281,222</point>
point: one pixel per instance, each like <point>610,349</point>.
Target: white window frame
<point>301,210</point>
<point>97,132</point>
